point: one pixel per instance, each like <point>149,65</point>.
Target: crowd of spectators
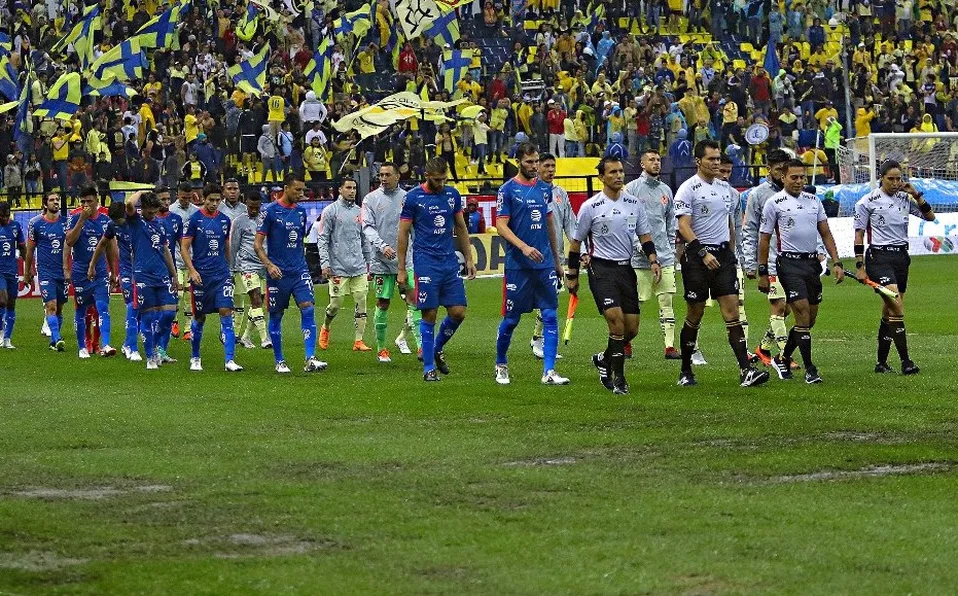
<point>580,80</point>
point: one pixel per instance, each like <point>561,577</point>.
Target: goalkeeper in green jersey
<point>380,217</point>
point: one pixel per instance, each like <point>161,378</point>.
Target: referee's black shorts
<point>614,285</point>
<point>701,282</point>
<point>888,265</point>
<point>801,277</point>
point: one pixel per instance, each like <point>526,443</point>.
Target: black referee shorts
<point>801,278</point>
<point>614,285</point>
<point>701,282</point>
<point>888,265</point>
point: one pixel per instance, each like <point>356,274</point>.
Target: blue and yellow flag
<point>455,64</point>
<point>249,22</point>
<point>160,31</point>
<point>445,30</point>
<point>9,87</point>
<point>63,99</point>
<point>357,22</point>
<point>250,75</point>
<point>81,36</point>
<point>319,70</point>
<point>111,88</point>
<point>121,62</point>
<point>24,125</point>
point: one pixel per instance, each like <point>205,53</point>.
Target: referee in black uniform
<point>708,264</point>
<point>882,216</point>
<point>609,221</point>
<point>797,218</point>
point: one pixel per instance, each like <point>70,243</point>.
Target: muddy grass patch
<point>868,472</point>
<point>36,561</point>
<point>249,545</point>
<point>97,493</point>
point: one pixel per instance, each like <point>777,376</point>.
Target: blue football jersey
<point>173,224</point>
<point>124,246</point>
<point>285,229</point>
<point>148,239</point>
<point>11,235</point>
<point>210,234</point>
<point>528,207</point>
<point>49,237</point>
<point>433,218</point>
<point>93,229</point>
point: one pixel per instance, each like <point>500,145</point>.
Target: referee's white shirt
<point>610,224</point>
<point>705,203</point>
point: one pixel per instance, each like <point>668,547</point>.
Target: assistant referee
<point>882,214</point>
<point>609,221</point>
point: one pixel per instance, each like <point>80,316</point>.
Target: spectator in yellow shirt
<point>863,122</point>
<point>191,126</point>
<point>469,88</point>
<point>825,113</point>
<point>277,113</point>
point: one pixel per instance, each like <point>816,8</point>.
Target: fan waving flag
<point>318,70</point>
<point>63,99</point>
<point>445,30</point>
<point>246,27</point>
<point>121,62</point>
<point>111,88</point>
<point>455,64</point>
<point>160,31</point>
<point>357,22</point>
<point>250,75</point>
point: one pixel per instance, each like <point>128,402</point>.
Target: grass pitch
<point>365,480</point>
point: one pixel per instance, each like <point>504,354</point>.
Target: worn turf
<point>363,479</point>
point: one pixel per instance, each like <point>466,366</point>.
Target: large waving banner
<point>416,16</point>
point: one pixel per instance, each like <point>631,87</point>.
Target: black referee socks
<point>736,339</point>
<point>688,338</point>
<point>800,337</point>
<point>615,356</point>
<point>896,328</point>
<point>884,341</point>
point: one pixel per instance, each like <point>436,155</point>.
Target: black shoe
<point>687,379</point>
<point>811,375</point>
<point>604,377</point>
<point>882,367</point>
<point>783,368</point>
<point>752,377</point>
<point>620,386</point>
<point>909,368</point>
<point>441,365</point>
<point>431,377</point>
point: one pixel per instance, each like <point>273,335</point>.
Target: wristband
<point>648,248</point>
<point>574,260</point>
<point>859,264</point>
<point>925,207</point>
<point>859,249</point>
<point>763,270</point>
<point>693,247</point>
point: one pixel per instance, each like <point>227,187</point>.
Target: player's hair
<point>253,197</point>
<point>436,165</point>
<point>230,181</point>
<point>647,151</point>
<point>777,156</point>
<point>291,178</point>
<point>5,208</point>
<point>212,188</point>
<point>526,148</point>
<point>795,163</point>
<point>389,164</point>
<point>345,181</point>
<point>149,200</point>
<point>725,160</point>
<point>161,189</point>
<point>546,157</point>
<point>47,196</point>
<point>184,186</point>
<point>116,210</point>
<point>605,161</point>
<point>888,166</point>
<point>705,144</point>
<point>89,190</point>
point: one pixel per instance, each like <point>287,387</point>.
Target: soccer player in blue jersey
<point>206,252</point>
<point>45,235</point>
<point>173,225</point>
<point>281,235</point>
<point>434,212</point>
<point>153,271</point>
<point>84,230</point>
<point>533,268</point>
<point>118,234</point>
<point>11,240</point>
